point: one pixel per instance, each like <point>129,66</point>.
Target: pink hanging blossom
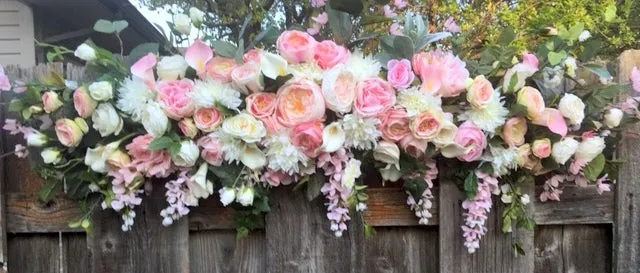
<point>451,26</point>
<point>422,206</point>
<point>477,211</point>
<point>321,19</point>
<point>21,151</point>
<point>395,29</point>
<point>400,4</point>
<point>126,189</point>
<point>552,191</point>
<point>388,12</point>
<point>315,29</point>
<point>12,126</point>
<point>5,85</point>
<point>318,3</point>
<point>179,196</point>
<point>337,195</point>
<point>276,178</point>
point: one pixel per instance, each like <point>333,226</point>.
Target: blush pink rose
<point>541,148</point>
<point>247,78</point>
<point>399,73</point>
<point>220,69</point>
<point>69,133</point>
<point>514,130</point>
<point>298,102</point>
<point>276,178</point>
<point>211,150</point>
<point>152,163</point>
<point>480,93</point>
<point>261,105</point>
<point>394,124</point>
<point>426,125</point>
<point>251,56</point>
<point>373,96</point>
<point>296,46</point>
<point>83,103</point>
<point>449,71</point>
<point>307,136</point>
<point>413,146</point>
<point>174,98</point>
<point>328,54</point>
<point>51,101</point>
<point>207,119</point>
<point>272,125</point>
<point>188,128</point>
<point>533,100</point>
<point>472,138</point>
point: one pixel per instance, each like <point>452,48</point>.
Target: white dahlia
<point>133,97</point>
<point>488,118</point>
<point>282,155</point>
<point>363,66</point>
<point>232,148</point>
<point>210,93</point>
<point>360,133</point>
<point>415,101</point>
<point>503,160</point>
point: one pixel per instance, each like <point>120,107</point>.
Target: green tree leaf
<point>610,13</point>
<point>507,36</point>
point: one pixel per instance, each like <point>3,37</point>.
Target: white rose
<point>227,195</point>
<point>571,65</point>
<point>182,24</point>
<point>339,89</point>
<point>172,67</point>
<point>572,108</point>
<point>245,127</point>
<point>252,157</point>
<point>564,149</point>
<point>584,35</point>
<point>525,199</point>
<point>154,120</point>
<point>199,185</point>
<point>351,173</point>
<point>187,155</point>
<point>97,157</point>
<point>387,152</point>
<point>106,120</point>
<point>101,91</point>
<point>85,52</point>
<point>390,173</point>
<point>613,117</point>
<point>197,16</point>
<point>51,156</point>
<point>36,139</point>
<point>333,137</point>
<point>248,78</point>
<point>245,196</point>
<point>589,149</point>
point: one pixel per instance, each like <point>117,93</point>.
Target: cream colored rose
<point>387,152</point>
<point>154,120</point>
<point>572,108</point>
<point>187,155</point>
<point>532,99</point>
<point>196,15</point>
<point>245,127</point>
<point>182,23</point>
<point>564,149</point>
<point>589,148</point>
<point>227,195</point>
<point>101,91</point>
<point>172,67</point>
<point>51,156</point>
<point>480,93</point>
<point>252,157</point>
<point>85,52</point>
<point>106,120</point>
<point>613,117</point>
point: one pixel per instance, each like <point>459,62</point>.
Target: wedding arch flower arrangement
<point>240,121</point>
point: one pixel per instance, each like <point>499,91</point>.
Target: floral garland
<point>316,114</point>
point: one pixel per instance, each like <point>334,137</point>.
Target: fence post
<point>626,231</point>
<point>3,201</point>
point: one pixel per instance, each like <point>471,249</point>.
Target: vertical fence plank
<point>573,248</point>
<point>3,201</point>
<point>75,255</point>
<point>218,251</point>
<point>34,253</point>
<point>627,221</point>
<point>495,253</point>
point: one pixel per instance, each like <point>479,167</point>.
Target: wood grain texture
<point>75,255</point>
<point>576,206</point>
<point>34,253</point>
<point>573,249</point>
<point>626,249</point>
<point>495,253</point>
<point>210,214</point>
<point>218,251</point>
<point>26,214</point>
<point>148,247</point>
<point>388,207</point>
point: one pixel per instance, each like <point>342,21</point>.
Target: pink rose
<point>541,148</point>
<point>84,104</point>
<point>252,55</point>
<point>298,102</point>
<point>153,163</point>
<point>328,54</point>
<point>69,133</point>
<point>532,99</point>
<point>207,119</point>
<point>174,98</point>
<point>51,101</point>
<point>399,73</point>
<point>413,146</point>
<point>188,128</point>
<point>272,125</point>
<point>373,96</point>
<point>276,178</point>
<point>426,125</point>
<point>472,138</point>
<point>514,130</point>
<point>480,93</point>
<point>296,46</point>
<point>220,69</point>
<point>211,150</point>
<point>246,77</point>
<point>261,105</point>
<point>307,136</point>
<point>443,68</point>
<point>394,124</point>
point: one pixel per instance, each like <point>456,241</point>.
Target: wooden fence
<point>585,232</point>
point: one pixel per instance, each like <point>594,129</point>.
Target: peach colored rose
<point>480,92</point>
<point>261,105</point>
<point>328,54</point>
<point>84,104</point>
<point>525,158</point>
<point>251,55</point>
<point>413,146</point>
<point>532,99</point>
<point>541,148</point>
<point>299,101</point>
<point>207,119</point>
<point>339,89</point>
<point>399,74</point>
<point>514,130</point>
<point>51,101</point>
<point>307,136</point>
<point>426,125</point>
<point>296,46</point>
<point>211,150</point>
<point>188,128</point>
<point>174,98</point>
<point>394,124</point>
<point>69,133</point>
<point>220,69</point>
<point>272,125</point>
<point>247,78</point>
<point>373,96</point>
<point>472,138</point>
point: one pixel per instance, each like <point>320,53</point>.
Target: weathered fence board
<point>578,206</point>
<point>573,248</point>
<point>3,200</point>
<point>219,251</point>
<point>34,253</point>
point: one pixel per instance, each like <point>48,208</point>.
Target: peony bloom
<point>308,137</point>
<point>472,138</point>
<point>373,96</point>
<point>153,163</point>
<point>214,94</point>
<point>245,127</point>
<point>362,66</point>
<point>207,119</point>
<point>51,156</point>
<point>488,118</point>
<point>220,69</point>
<point>298,102</point>
<point>83,103</point>
<point>514,130</point>
<point>564,149</point>
<point>387,152</point>
<point>182,23</point>
<point>133,97</point>
<point>261,105</point>
<point>328,54</point>
<point>172,67</point>
<point>174,98</point>
<point>197,55</point>
<point>613,117</point>
<point>211,150</point>
<point>188,128</point>
<point>85,52</point>
<point>541,148</point>
<point>394,124</point>
<point>187,155</point>
<point>360,133</point>
<point>532,99</point>
<point>572,108</point>
<point>441,72</point>
<point>247,78</point>
<point>339,89</point>
<point>70,132</point>
<point>51,102</point>
<point>480,93</point>
<point>399,73</point>
<point>106,120</point>
<point>296,46</point>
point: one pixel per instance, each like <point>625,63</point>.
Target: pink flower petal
<point>395,29</point>
<point>530,60</point>
<point>431,79</point>
<point>322,18</point>
<point>553,119</point>
<point>143,68</point>
<point>5,85</point>
<point>197,56</point>
<point>635,79</point>
<point>451,26</point>
<point>314,30</point>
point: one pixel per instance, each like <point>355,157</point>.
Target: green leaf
<point>369,231</point>
<point>139,52</point>
<point>471,185</point>
<point>507,36</point>
<point>575,31</point>
<point>75,224</point>
<point>598,70</point>
<point>373,19</point>
<point>119,26</point>
<point>349,6</point>
<point>104,26</point>
<point>314,185</point>
<point>48,191</point>
<point>556,57</point>
<point>240,51</point>
<point>244,26</point>
<point>591,49</point>
<point>224,49</point>
<point>160,143</point>
<point>227,173</point>
<point>610,13</point>
<point>594,168</point>
<point>76,189</point>
<point>425,39</point>
<point>416,187</point>
<point>506,224</point>
<point>517,249</point>
<point>512,84</point>
<point>241,232</point>
<point>403,47</point>
<point>341,25</point>
<point>15,106</point>
<point>174,149</point>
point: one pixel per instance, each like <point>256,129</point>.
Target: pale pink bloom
<point>451,26</point>
<point>388,12</point>
<point>21,151</point>
<point>276,178</point>
<point>252,55</point>
<point>207,119</point>
<point>220,69</point>
<point>322,18</point>
<point>471,137</point>
<point>328,54</point>
<point>337,208</point>
<point>441,72</point>
<point>318,3</point>
<point>19,87</point>
<point>5,85</point>
<point>601,187</point>
<point>298,102</point>
<point>553,119</point>
<point>315,29</point>
<point>395,29</point>
<point>478,208</point>
<point>296,46</point>
<point>211,150</point>
<point>530,60</point>
<point>197,56</point>
<point>153,163</point>
<point>261,105</point>
<point>394,124</point>
<point>174,98</point>
<point>373,96</point>
<point>143,68</point>
<point>69,133</point>
<point>272,125</point>
<point>307,136</point>
<point>83,103</point>
<point>12,126</point>
<point>635,79</point>
<point>413,146</point>
<point>400,4</point>
<point>247,78</point>
<point>399,73</point>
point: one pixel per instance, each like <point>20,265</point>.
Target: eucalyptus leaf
<point>341,25</point>
<point>424,40</point>
<point>119,26</point>
<point>349,6</point>
<point>598,70</point>
<point>224,49</point>
<point>104,26</point>
<point>403,47</point>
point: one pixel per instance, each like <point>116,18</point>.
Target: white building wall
<point>16,34</point>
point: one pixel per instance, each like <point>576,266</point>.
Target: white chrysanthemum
<point>502,160</point>
<point>415,101</point>
<point>282,155</point>
<point>360,133</point>
<point>210,93</point>
<point>232,148</point>
<point>309,70</point>
<point>133,96</point>
<point>488,118</point>
<point>363,66</point>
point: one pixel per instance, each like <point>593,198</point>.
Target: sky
<point>159,17</point>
